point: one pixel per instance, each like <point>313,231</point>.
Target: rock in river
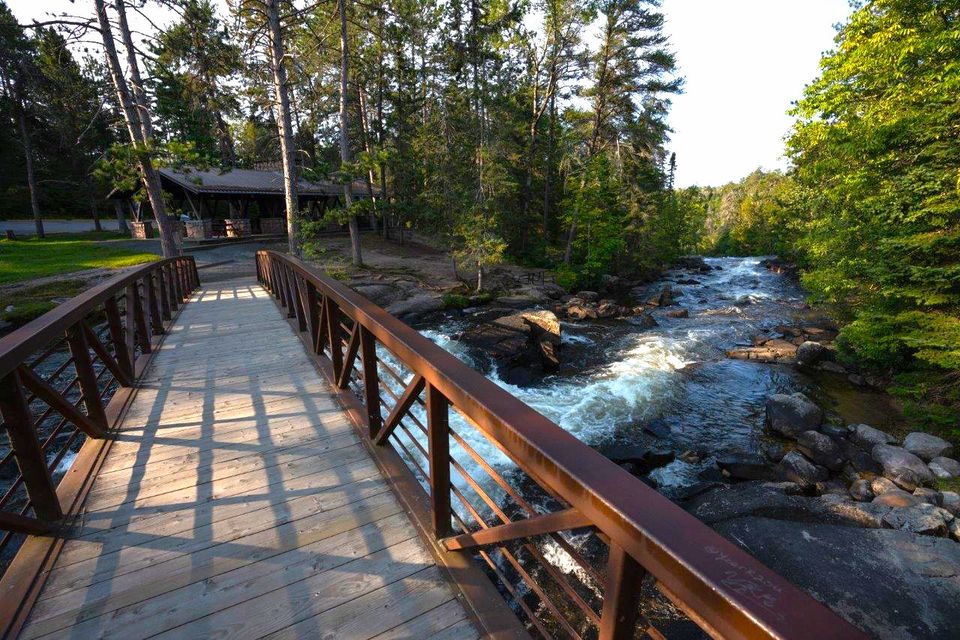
<point>810,353</point>
<point>927,446</point>
<point>795,468</point>
<point>791,415</point>
<point>905,469</point>
<point>868,437</point>
<point>925,519</point>
<point>821,449</point>
<point>945,467</point>
<point>892,584</point>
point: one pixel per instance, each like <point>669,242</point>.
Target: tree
<point>276,54</point>
<point>875,151</point>
<point>137,117</point>
<point>346,157</point>
<point>193,63</point>
<point>16,68</point>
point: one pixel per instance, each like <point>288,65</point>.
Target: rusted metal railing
<point>577,546</point>
<point>64,380</point>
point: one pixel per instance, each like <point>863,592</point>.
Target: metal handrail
<point>724,590</point>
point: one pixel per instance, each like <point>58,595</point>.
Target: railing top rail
<point>727,591</point>
<point>16,346</point>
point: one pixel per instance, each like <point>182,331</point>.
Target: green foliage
<point>32,303</point>
<point>455,301</point>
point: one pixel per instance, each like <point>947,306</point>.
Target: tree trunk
<point>136,82</point>
<point>28,159</point>
<point>121,219</point>
<point>548,173</point>
<point>365,128</point>
<point>135,127</point>
<point>284,123</point>
<point>345,156</point>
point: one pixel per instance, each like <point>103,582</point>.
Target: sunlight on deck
<point>238,502</point>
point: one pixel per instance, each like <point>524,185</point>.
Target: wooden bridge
<point>281,458</point>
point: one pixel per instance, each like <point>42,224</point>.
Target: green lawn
<point>64,253</point>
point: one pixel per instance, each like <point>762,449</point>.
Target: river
<point>618,378</point>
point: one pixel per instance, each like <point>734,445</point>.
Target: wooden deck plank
<point>237,501</point>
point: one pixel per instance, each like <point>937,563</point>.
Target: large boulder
<point>821,449</point>
<point>951,502</point>
<point>795,468</point>
<point>545,332</point>
<point>897,498</point>
<point>791,415</point>
<point>868,437</point>
<point>810,353</point>
<point>945,467</point>
<point>416,306</point>
<point>746,466</point>
<point>693,263</point>
<point>905,469</point>
<point>927,446</point>
<point>663,298</point>
<point>520,343</point>
<point>923,518</point>
<point>891,584</point>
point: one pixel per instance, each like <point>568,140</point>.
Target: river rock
<point>810,353</point>
<point>840,509</point>
<point>821,449</point>
<point>860,490</point>
<point>868,437</point>
<point>587,296</point>
<point>791,415</point>
<point>924,519</point>
<point>747,499</point>
<point>416,306</point>
<point>905,469</point>
<point>678,313</point>
<point>795,468</point>
<point>953,529</point>
<point>944,467</point>
<point>693,263</point>
<point>835,431</point>
<point>663,298</point>
<point>770,350</point>
<point>927,446</point>
<point>891,584</point>
<point>951,502</point>
<point>859,459</point>
<point>930,496</point>
<point>746,466</point>
<point>643,459</point>
<point>897,498</point>
<point>881,485</point>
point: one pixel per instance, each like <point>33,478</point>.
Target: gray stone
<point>821,449</point>
<point>831,366</point>
<point>868,437</point>
<point>835,430</point>
<point>927,446</point>
<point>881,485</point>
<point>416,306</point>
<point>678,313</point>
<point>930,496</point>
<point>810,353</point>
<point>836,509</point>
<point>795,468</point>
<point>747,499</point>
<point>860,491</point>
<point>897,498</point>
<point>859,459</point>
<point>791,415</point>
<point>951,502</point>
<point>905,469</point>
<point>925,519</point>
<point>832,487</point>
<point>891,584</point>
<point>944,467</point>
<point>588,296</point>
<point>746,466</point>
<point>954,529</point>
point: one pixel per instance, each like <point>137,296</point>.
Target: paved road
<point>25,227</point>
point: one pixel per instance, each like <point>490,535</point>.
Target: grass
<point>34,302</point>
<point>30,258</point>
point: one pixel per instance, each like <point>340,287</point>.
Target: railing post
<point>371,381</point>
<point>130,326</point>
<point>140,316</point>
<point>122,355</point>
<point>298,301</point>
<point>313,313</point>
<point>86,376</point>
<point>621,597</point>
<point>156,322</point>
<point>332,311</point>
<point>164,295</point>
<point>172,287</point>
<point>438,431</point>
<point>177,282</point>
<point>26,449</point>
<point>194,275</point>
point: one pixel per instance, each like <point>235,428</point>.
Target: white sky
<point>744,61</point>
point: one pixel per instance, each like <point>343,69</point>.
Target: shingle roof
<point>250,181</point>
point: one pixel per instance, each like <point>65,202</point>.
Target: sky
<point>744,63</point>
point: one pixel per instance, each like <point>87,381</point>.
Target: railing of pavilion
<point>575,544</point>
<point>63,381</point>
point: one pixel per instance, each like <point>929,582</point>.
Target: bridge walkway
<point>237,501</point>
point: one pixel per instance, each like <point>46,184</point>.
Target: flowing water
<point>618,377</point>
